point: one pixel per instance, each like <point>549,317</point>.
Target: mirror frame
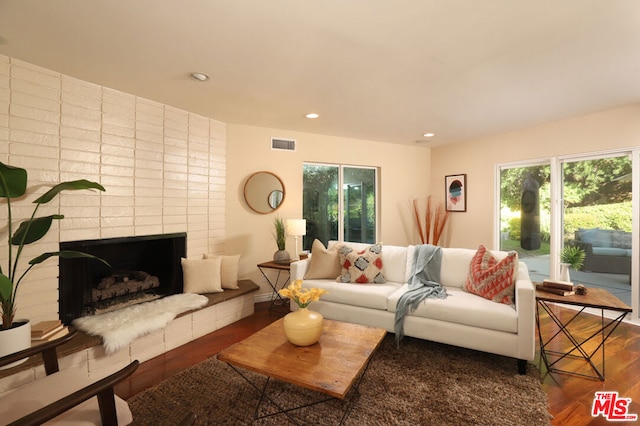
<point>263,205</point>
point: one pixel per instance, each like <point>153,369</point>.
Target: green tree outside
<point>596,193</point>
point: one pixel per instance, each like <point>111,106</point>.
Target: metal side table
<point>596,298</point>
<point>283,269</point>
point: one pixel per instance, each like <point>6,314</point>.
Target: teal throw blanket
<point>424,282</point>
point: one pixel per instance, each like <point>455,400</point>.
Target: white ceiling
<point>386,70</point>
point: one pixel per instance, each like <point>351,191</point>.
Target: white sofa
<point>461,319</point>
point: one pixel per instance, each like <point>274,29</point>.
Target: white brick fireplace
<point>163,168</point>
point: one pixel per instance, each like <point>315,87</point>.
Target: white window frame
<point>341,183</point>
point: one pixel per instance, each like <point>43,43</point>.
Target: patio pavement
<point>617,284</point>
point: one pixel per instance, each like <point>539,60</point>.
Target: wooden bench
<point>222,309</point>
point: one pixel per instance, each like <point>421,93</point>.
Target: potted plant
<point>570,257</point>
<point>13,185</point>
<point>281,256</point>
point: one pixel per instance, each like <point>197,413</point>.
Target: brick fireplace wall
<point>164,169</point>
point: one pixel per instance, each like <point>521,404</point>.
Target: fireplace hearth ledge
<point>87,351</point>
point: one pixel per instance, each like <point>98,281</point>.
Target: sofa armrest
<point>587,247</point>
<point>102,389</point>
<point>299,268</point>
<point>47,349</point>
<point>525,307</point>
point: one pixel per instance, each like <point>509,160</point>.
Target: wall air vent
<point>283,144</point>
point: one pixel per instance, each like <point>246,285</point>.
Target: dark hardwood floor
<point>570,397</point>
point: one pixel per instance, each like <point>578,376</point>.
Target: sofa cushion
<point>455,266</point>
<point>465,308</point>
<point>611,251</point>
<point>324,263</point>
<point>361,266</point>
<point>596,237</point>
<point>491,278</point>
<point>374,296</point>
<point>621,239</point>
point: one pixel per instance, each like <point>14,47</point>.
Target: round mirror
<point>264,192</point>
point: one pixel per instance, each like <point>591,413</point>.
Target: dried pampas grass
<point>431,227</point>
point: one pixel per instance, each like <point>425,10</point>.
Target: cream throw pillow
<point>228,270</point>
<point>201,275</point>
<point>324,262</point>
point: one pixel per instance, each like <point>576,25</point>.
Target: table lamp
<point>297,228</point>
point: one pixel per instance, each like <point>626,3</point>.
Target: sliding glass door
<point>597,219</point>
<point>581,202</point>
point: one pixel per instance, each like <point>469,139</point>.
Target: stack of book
<point>47,330</point>
<point>562,288</point>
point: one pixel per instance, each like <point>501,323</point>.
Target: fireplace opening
<point>142,268</point>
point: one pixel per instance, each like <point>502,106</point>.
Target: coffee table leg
<point>285,411</point>
<point>263,395</point>
<point>356,393</point>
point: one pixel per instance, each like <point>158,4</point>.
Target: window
<point>339,203</point>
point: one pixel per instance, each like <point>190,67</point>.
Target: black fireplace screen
<point>142,267</point>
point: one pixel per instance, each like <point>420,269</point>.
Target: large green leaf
<point>66,254</point>
<point>6,288</point>
<point>13,181</point>
<point>67,186</point>
<point>34,229</point>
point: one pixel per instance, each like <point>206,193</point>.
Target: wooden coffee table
<point>332,366</point>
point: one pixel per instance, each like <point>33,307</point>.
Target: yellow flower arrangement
<point>302,296</point>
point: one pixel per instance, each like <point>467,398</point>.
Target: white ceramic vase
<point>564,272</point>
<point>15,339</point>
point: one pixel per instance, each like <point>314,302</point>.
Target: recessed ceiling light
<point>312,115</point>
<point>199,76</point>
<point>428,135</point>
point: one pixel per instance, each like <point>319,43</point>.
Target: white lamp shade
<point>297,227</point>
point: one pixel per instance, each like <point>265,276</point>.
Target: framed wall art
<point>456,192</point>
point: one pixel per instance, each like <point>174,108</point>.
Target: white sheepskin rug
<point>121,327</point>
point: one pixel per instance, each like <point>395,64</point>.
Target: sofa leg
<point>522,366</point>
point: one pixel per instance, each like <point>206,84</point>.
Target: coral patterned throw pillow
<point>492,279</point>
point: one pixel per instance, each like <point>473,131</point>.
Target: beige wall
<point>617,128</point>
<point>404,173</point>
<point>59,127</point>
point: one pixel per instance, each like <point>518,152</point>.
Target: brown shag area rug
<point>421,383</point>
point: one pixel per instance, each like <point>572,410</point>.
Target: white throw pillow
<point>228,270</point>
<point>201,275</point>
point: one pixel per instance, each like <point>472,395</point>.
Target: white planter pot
<point>15,339</point>
<point>564,272</point>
